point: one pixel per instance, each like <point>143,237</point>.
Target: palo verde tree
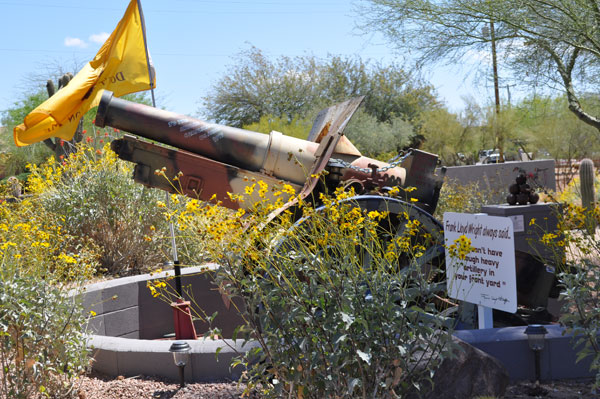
<point>546,124</point>
<point>555,42</point>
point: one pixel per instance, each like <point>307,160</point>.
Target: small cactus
<point>586,182</point>
<point>588,194</point>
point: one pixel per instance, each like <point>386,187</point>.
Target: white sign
<point>487,275</point>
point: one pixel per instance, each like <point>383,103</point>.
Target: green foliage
<point>374,139</point>
<point>572,192</point>
<point>296,127</point>
<point>338,302</point>
<point>333,312</point>
<point>445,136</point>
<point>546,124</point>
<point>97,200</point>
<point>256,86</point>
<point>464,198</point>
<point>42,340</point>
<point>577,250</point>
<point>553,42</point>
<point>41,325</point>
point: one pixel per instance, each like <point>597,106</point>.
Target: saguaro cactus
<point>586,181</point>
<point>588,193</point>
<point>54,145</point>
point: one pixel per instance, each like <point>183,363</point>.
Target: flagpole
<point>150,69</point>
<point>177,267</point>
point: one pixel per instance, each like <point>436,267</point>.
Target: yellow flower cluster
<point>32,242</point>
<point>548,238</point>
<point>461,247</point>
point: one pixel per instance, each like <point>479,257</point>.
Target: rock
<point>471,373</point>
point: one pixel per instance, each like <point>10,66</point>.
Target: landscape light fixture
<point>536,336</point>
<point>181,354</point>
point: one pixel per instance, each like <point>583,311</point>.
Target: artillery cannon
<point>217,160</point>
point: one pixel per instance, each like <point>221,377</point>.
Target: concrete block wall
<point>131,357</point>
<point>497,177</point>
<point>129,323</point>
<point>128,354</point>
<point>125,307</point>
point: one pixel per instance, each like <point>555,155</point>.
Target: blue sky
<point>193,42</point>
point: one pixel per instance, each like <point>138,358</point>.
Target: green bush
<point>577,250</point>
<point>339,303</point>
<point>95,198</point>
<point>42,339</point>
<point>458,197</point>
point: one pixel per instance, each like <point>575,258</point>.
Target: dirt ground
<point>101,387</point>
<point>553,389</point>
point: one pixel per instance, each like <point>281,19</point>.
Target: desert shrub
<point>572,192</point>
<point>33,243</point>
<point>577,249</point>
<point>42,339</point>
<point>41,326</point>
<point>458,197</point>
<point>334,313</point>
<point>92,193</point>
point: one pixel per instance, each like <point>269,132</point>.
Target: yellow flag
<point>120,66</point>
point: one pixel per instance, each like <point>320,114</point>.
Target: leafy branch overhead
<point>555,42</point>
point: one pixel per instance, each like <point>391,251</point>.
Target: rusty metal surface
<point>325,119</point>
<point>201,177</point>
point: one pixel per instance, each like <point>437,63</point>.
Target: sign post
<point>486,276</point>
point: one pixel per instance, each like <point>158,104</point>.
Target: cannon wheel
<point>430,232</point>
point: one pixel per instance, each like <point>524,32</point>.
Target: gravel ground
<point>97,386</point>
<point>101,387</point>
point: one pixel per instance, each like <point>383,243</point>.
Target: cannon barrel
<point>238,147</point>
<point>273,156</point>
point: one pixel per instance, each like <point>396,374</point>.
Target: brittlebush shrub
<point>41,326</point>
<point>96,199</point>
<point>337,302</point>
<point>465,198</point>
<point>572,193</point>
<point>33,243</point>
<point>577,250</point>
<point>43,346</point>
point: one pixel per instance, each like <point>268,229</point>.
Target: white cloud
<point>99,37</point>
<point>75,42</point>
